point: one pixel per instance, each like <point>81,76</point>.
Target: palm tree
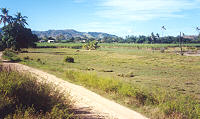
<point>163,29</point>
<point>5,17</point>
<point>158,36</point>
<point>20,19</point>
<point>198,30</point>
<point>153,37</point>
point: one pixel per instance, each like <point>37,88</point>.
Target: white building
<point>51,41</point>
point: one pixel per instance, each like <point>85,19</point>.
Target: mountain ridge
<point>69,33</point>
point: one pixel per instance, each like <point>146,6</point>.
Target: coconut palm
<point>4,17</point>
<point>20,19</point>
<point>198,29</point>
<point>163,29</point>
<point>157,35</point>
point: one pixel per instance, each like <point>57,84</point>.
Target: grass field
<point>78,45</point>
<point>60,45</point>
<point>159,85</point>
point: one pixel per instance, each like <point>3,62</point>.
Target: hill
<point>68,33</point>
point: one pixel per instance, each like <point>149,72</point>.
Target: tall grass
<point>21,97</point>
<point>173,105</point>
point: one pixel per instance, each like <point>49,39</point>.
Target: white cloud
<point>130,10</point>
<point>118,16</point>
<point>116,28</point>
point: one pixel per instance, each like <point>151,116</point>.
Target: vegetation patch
<point>92,45</point>
<point>26,58</point>
<point>154,73</point>
<point>129,75</point>
<point>173,105</point>
<point>69,59</point>
<point>107,70</point>
<point>60,45</point>
<point>21,97</point>
<point>11,56</point>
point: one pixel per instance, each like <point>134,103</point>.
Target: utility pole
<point>180,44</point>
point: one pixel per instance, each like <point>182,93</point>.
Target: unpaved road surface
<point>89,104</point>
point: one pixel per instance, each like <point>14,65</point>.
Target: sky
<point>118,17</point>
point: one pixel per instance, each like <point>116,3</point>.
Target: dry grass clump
<point>21,97</point>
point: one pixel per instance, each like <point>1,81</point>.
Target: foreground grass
<point>160,85</point>
<point>21,97</point>
<point>170,104</point>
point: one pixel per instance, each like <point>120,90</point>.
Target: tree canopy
<point>15,35</point>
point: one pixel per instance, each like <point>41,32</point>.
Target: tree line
<point>14,34</point>
<point>152,39</point>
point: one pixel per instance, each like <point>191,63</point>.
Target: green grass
<point>11,56</point>
<point>21,97</point>
<point>173,105</point>
<point>129,45</point>
<point>146,45</point>
<point>60,45</point>
<point>156,84</point>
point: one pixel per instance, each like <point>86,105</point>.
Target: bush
<point>92,45</point>
<point>69,59</point>
<point>38,59</point>
<point>162,50</point>
<point>26,58</point>
<point>11,55</point>
<point>22,97</point>
<point>8,53</point>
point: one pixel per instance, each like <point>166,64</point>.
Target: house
<point>83,41</point>
<point>42,41</point>
<point>51,41</point>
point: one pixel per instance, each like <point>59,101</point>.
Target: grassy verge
<point>169,104</point>
<point>21,97</point>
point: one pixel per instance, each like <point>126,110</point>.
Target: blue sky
<point>119,17</point>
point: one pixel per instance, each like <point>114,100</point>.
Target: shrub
<point>22,97</point>
<point>162,50</point>
<point>38,60</point>
<point>24,51</point>
<point>11,55</point>
<point>15,59</point>
<point>8,53</point>
<point>92,45</point>
<point>26,58</point>
<point>69,59</point>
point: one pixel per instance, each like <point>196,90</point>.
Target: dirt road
<point>93,106</point>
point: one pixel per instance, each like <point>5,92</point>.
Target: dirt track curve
<point>89,104</point>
